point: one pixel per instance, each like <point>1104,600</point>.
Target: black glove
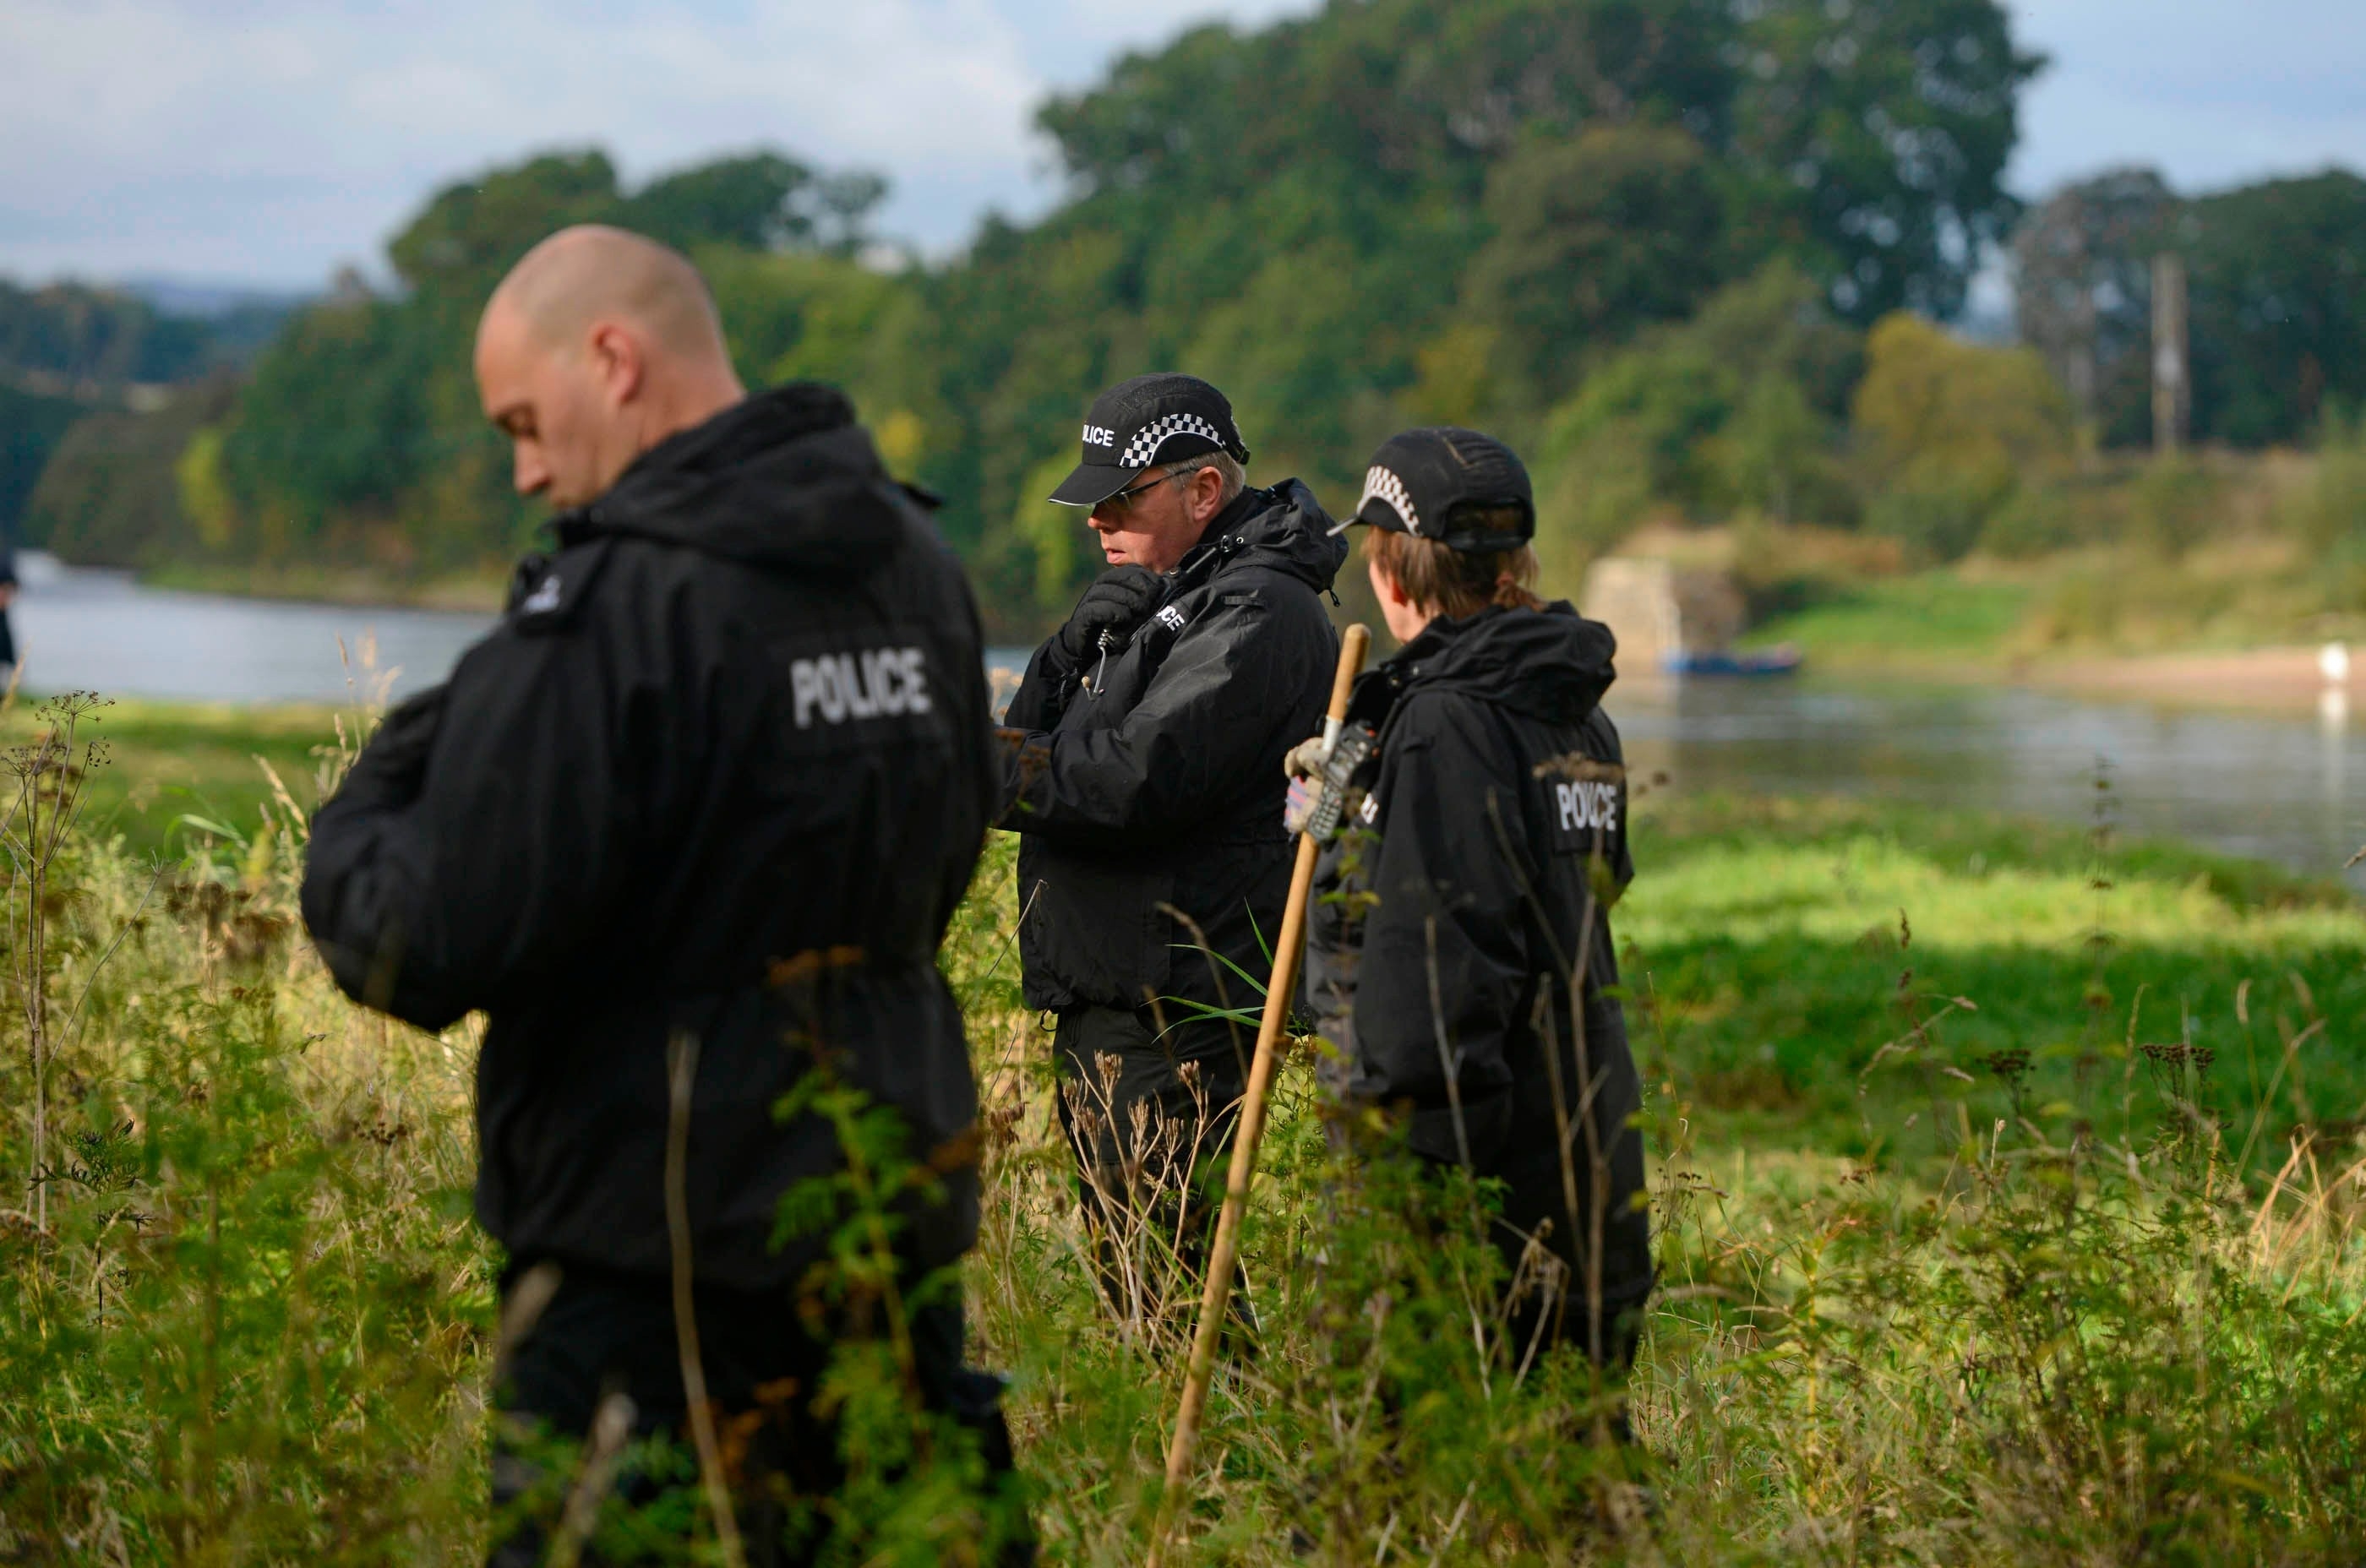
<point>1120,599</point>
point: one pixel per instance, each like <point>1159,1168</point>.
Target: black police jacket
<point>1454,919</point>
<point>725,767</point>
<point>1158,788</point>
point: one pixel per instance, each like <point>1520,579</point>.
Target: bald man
<point>718,777</point>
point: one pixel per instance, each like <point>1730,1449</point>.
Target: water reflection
<point>2333,732</point>
<point>92,630</point>
<point>2272,788</point>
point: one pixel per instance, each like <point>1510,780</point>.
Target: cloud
<point>163,123</point>
<point>268,140</point>
<point>2211,94</point>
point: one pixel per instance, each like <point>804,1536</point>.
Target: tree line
<point>1667,249</point>
<point>66,349</point>
<point>84,371</point>
<point>2278,291</point>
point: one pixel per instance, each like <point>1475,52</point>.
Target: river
<point>81,630</point>
<point>2270,787</point>
<point>2276,788</point>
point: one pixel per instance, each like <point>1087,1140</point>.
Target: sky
<point>267,141</point>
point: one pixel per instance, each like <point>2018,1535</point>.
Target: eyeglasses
<point>1123,501</point>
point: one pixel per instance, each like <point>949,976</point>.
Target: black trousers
<point>1550,1305</point>
<point>1570,1297</point>
<point>1602,1316</point>
<point>1149,1104</point>
<point>606,1333</point>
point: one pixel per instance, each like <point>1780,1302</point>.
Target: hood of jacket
<point>1283,529</point>
<point>1553,664</point>
<point>784,478</point>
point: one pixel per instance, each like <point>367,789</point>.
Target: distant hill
<point>210,301</point>
<point>241,319</point>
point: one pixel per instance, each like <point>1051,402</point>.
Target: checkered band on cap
<point>1143,448</point>
<point>1383,484</point>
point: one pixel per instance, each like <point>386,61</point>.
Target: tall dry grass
<point>2095,1307</point>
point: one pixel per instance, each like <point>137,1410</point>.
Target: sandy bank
<point>2283,680</point>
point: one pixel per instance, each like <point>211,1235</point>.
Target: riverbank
<point>471,592</point>
<point>2083,575</point>
<point>1986,626</point>
<point>1933,626</point>
<point>2278,680</point>
<point>2248,784</point>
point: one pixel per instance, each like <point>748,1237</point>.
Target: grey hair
<point>1226,466</point>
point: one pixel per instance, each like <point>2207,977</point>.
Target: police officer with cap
<point>1485,841</point>
<point>1146,742</point>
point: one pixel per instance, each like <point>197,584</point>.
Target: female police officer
<point>1459,952</point>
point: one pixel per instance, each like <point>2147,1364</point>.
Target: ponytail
<point>1511,593</point>
<point>1450,583</point>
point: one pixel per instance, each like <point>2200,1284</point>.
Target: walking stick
<point>1217,1293</point>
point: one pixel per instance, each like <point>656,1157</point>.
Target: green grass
<point>1928,617</point>
<point>2071,1274</point>
<point>1784,943</point>
<point>166,762</point>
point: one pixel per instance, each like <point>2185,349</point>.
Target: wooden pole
<point>1216,1295</point>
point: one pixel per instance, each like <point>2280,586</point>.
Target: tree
<point>111,495</point>
<point>1930,399</point>
<point>360,429</point>
<point>95,340</point>
<point>473,231</point>
<point>1770,455</point>
<point>336,418</point>
<point>2277,305</point>
<point>846,202</point>
<point>761,201</point>
<point>802,316</point>
<point>1737,406</point>
<point>2083,294</point>
<point>751,202</point>
<point>68,351</point>
<point>1596,236</point>
<point>30,428</point>
<point>1457,88</point>
<point>1951,430</point>
<point>1884,126</point>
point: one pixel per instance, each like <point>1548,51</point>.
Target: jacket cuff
<point>1049,659</point>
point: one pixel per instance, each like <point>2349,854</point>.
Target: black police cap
<point>1138,424</point>
<point>1438,483</point>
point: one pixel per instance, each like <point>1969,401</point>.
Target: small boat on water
<point>1783,659</point>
